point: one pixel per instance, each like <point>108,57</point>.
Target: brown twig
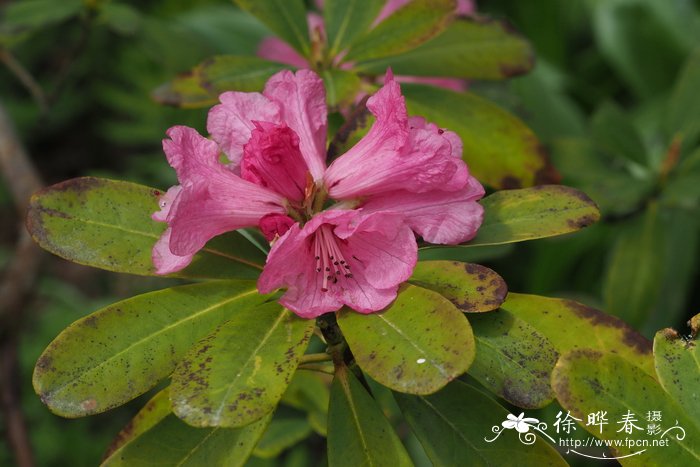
<point>17,281</point>
<point>26,78</point>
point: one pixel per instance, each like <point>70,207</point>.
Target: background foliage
<point>613,98</point>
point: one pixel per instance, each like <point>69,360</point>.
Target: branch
<point>26,78</point>
<point>17,282</point>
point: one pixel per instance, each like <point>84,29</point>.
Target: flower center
<point>329,259</point>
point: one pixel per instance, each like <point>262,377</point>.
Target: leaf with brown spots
<point>531,213</point>
<point>569,325</point>
<point>170,441</point>
<point>107,224</point>
<point>586,381</point>
<point>513,359</point>
<point>121,351</point>
<point>238,374</point>
<point>417,345</point>
<point>470,287</point>
<point>677,361</point>
<point>500,150</point>
<point>201,86</point>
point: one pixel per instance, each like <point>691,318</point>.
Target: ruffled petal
<point>212,199</point>
<point>398,153</point>
<point>272,159</point>
<point>302,98</point>
<point>444,217</point>
<point>164,260</point>
<point>231,122</point>
<point>361,263</point>
<point>272,48</point>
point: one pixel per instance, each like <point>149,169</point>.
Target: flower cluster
<point>342,234</point>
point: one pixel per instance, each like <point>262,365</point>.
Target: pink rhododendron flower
<point>275,49</point>
<point>406,177</point>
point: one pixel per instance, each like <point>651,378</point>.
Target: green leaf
<point>500,150</point>
<point>346,20</point>
<point>149,416</point>
<point>121,18</point>
<point>358,432</point>
<point>417,345</point>
<point>452,425</point>
<point>286,18</point>
<point>169,441</point>
<point>405,29</point>
<point>586,381</point>
<point>613,131</point>
<point>569,325</point>
<point>281,434</point>
<point>201,86</point>
<point>238,374</point>
<point>121,351</point>
<point>468,48</point>
<point>531,213</point>
<point>308,392</point>
<point>513,359</point>
<point>677,361</point>
<point>341,87</point>
<point>683,114</point>
<point>107,224</point>
<point>470,287</point>
<point>634,274</point>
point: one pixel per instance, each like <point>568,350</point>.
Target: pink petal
<point>389,8</point>
<point>453,84</point>
<point>166,202</point>
<point>272,159</point>
<point>212,200</point>
<point>466,7</point>
<point>231,122</point>
<point>302,99</point>
<point>275,49</point>
<point>444,217</point>
<point>379,250</point>
<point>274,226</point>
<point>397,154</point>
<point>164,260</point>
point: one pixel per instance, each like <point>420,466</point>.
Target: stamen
<point>329,258</point>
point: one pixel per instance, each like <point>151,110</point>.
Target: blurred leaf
<point>513,360</point>
<point>683,113</point>
<point>531,213</point>
<point>121,351</point>
<point>21,18</point>
<point>286,18</point>
<point>450,425</point>
<point>468,48</point>
<point>613,131</point>
<point>677,360</point>
<point>417,345</point>
<point>405,29</point>
<point>169,441</point>
<point>500,150</point>
<point>470,287</point>
<point>107,224</point>
<point>308,392</point>
<point>281,434</point>
<point>358,432</point>
<point>570,325</point>
<point>638,44</point>
<point>633,277</point>
<point>120,17</point>
<point>683,191</point>
<point>201,86</point>
<point>586,381</point>
<point>341,87</point>
<point>346,20</point>
<point>238,373</point>
<point>609,184</point>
